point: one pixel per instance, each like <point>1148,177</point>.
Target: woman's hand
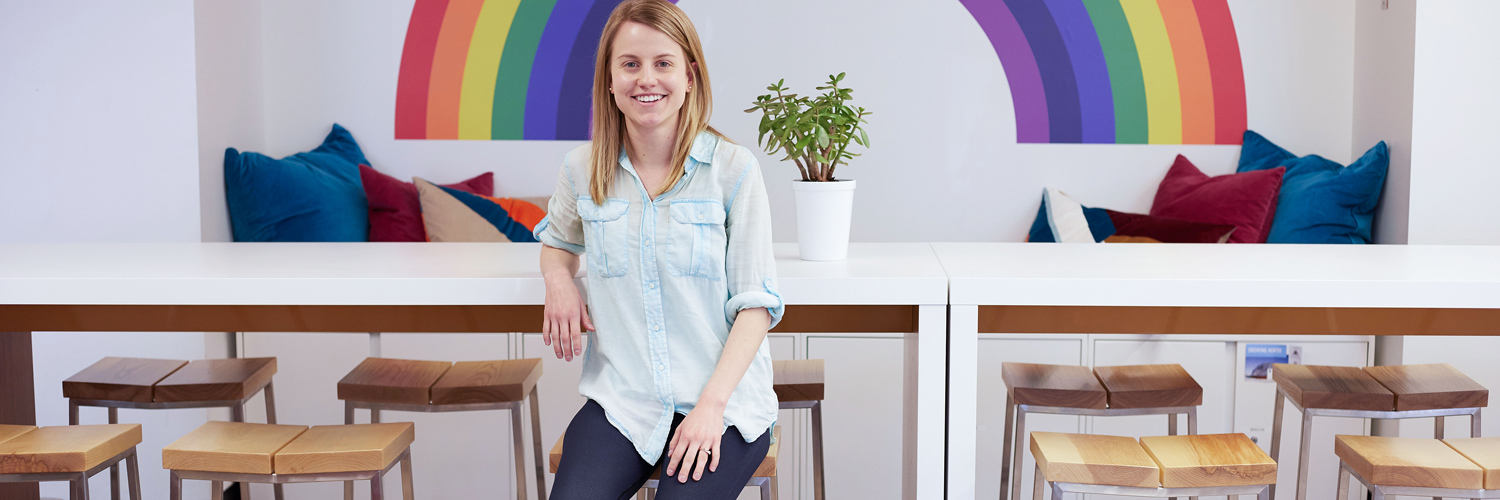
<point>697,442</point>
<point>564,317</point>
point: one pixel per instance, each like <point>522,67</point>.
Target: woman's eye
<point>630,64</point>
<point>663,64</point>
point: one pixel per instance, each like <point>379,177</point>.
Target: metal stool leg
<point>114,470</point>
<point>377,487</point>
<point>1193,421</point>
<point>1039,486</point>
<point>1303,453</point>
<point>1437,433</point>
<point>536,445</point>
<point>237,414</point>
<point>174,487</point>
<point>1005,447</point>
<point>348,420</point>
<point>817,449</point>
<point>270,395</point>
<point>1343,484</point>
<point>83,486</point>
<point>407,490</point>
<point>1276,437</point>
<point>1171,424</point>
<point>133,473</point>
<point>1474,422</point>
<point>519,445</point>
<point>72,412</point>
<point>216,490</point>
<point>1020,454</point>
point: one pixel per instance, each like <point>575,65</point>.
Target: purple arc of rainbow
<point>1119,71</point>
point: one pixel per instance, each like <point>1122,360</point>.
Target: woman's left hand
<point>696,443</point>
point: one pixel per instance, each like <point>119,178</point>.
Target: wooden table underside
<point>17,406</point>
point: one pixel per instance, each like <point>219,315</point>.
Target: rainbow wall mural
<point>499,69</point>
<point>1119,71</point>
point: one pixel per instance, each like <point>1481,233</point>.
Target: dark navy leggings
<point>598,463</point>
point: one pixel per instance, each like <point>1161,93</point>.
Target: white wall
<point>1384,55</point>
<point>1453,175</point>
<point>944,127</point>
<point>230,99</point>
<point>98,142</point>
<point>98,139</point>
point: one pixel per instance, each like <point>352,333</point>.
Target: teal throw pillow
<point>1321,200</point>
<point>312,196</point>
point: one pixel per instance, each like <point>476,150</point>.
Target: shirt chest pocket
<point>606,236</point>
<point>697,241</point>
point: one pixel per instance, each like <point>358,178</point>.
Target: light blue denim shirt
<point>666,279</point>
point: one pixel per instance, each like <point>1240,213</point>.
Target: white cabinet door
<point>862,415</point>
<point>997,349</point>
<point>1211,363</point>
<point>1255,403</point>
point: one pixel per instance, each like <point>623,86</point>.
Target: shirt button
<point>661,368</point>
<point>651,285</point>
<point>700,215</point>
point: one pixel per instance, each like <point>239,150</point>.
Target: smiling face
<point>650,77</point>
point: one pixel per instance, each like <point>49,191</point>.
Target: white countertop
<point>1398,276</point>
<point>396,274</point>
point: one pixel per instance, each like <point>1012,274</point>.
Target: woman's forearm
<point>558,264</point>
<point>745,337</point>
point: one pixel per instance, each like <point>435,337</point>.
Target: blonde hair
<point>609,122</point>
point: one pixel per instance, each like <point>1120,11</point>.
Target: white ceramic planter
<point>823,213</point>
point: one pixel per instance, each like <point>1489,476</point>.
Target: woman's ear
<point>692,75</point>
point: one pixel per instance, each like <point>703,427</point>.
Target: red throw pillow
<point>395,210</point>
<point>1245,200</point>
<point>1167,229</point>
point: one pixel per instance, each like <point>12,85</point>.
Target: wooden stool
<point>764,478</point>
<point>1075,390</point>
<point>1168,466</point>
<point>439,386</point>
<point>799,384</point>
<point>72,453</point>
<point>285,454</point>
<point>1463,468</point>
<point>1387,392</point>
<point>161,384</point>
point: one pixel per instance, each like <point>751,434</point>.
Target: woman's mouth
<point>649,98</point>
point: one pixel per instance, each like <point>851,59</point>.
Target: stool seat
<point>1209,460</point>
<point>1332,387</point>
<point>232,447</point>
<point>345,448</point>
<point>1149,386</point>
<point>798,379</point>
<point>385,380</point>
<point>1393,461</point>
<point>216,380</point>
<point>1430,387</point>
<point>1065,386</point>
<point>1093,459</point>
<point>10,431</point>
<point>1484,452</point>
<point>767,466</point>
<point>499,381</point>
<point>405,381</point>
<point>66,448</point>
<point>120,379</point>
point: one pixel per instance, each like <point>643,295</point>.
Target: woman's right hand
<point>564,317</point>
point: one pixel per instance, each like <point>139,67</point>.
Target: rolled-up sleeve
<point>562,228</point>
<point>749,262</point>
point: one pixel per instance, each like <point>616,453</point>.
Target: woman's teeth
<point>648,98</point>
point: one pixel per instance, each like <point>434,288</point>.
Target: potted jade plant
<point>815,132</point>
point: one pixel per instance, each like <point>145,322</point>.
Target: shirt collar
<point>702,152</point>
